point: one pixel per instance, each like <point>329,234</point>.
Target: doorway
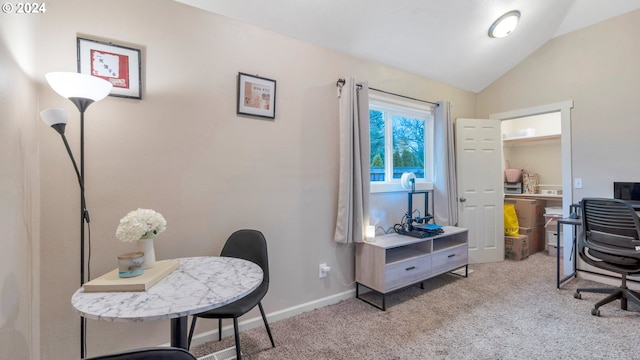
<point>532,144</point>
<point>564,109</point>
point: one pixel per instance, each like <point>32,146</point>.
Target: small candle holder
<point>130,264</point>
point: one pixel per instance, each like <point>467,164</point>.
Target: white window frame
<point>378,102</point>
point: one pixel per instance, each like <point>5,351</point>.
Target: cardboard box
<point>551,222</point>
<point>516,247</point>
<point>553,250</point>
<point>530,211</point>
<point>536,238</point>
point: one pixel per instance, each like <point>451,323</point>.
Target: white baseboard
<point>273,317</point>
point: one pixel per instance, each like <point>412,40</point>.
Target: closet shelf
<point>531,140</point>
<point>534,196</point>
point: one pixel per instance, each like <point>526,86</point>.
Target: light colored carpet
<point>505,310</point>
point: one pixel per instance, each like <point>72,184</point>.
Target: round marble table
<point>199,284</point>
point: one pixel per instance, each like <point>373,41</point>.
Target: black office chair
<point>151,353</point>
<point>610,241</point>
<point>248,245</point>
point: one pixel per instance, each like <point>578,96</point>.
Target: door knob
<point>463,199</point>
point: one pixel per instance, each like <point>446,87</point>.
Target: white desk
<point>199,284</point>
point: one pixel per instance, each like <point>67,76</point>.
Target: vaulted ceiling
<point>444,40</point>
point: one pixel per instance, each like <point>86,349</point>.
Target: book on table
<point>111,281</point>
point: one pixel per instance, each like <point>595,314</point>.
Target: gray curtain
<point>444,180</point>
<point>353,187</point>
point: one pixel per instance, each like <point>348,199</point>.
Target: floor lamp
<point>83,90</point>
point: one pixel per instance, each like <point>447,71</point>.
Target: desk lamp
<point>83,90</point>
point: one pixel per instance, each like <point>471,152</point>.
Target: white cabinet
<point>396,261</point>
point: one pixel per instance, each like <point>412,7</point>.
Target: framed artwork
<point>256,96</point>
<point>120,65</point>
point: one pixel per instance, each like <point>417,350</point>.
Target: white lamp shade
<point>75,85</point>
<point>54,116</point>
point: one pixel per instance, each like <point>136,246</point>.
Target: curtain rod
<point>340,83</point>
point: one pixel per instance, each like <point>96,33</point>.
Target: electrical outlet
<point>323,269</point>
<point>577,183</point>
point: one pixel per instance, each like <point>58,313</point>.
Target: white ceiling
<point>444,40</point>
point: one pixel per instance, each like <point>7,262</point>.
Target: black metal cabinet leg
<point>384,298</point>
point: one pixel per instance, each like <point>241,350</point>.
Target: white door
<point>480,187</point>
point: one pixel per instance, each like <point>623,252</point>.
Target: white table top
<point>199,284</point>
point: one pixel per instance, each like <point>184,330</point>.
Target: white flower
<point>139,222</point>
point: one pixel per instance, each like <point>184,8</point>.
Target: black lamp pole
<point>82,104</point>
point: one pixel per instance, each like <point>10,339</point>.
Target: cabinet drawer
<point>450,259</point>
<point>406,272</point>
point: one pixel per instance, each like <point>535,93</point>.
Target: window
<point>401,140</point>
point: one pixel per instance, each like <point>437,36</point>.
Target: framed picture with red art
<point>256,96</point>
<point>120,65</point>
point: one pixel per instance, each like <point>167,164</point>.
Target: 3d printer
<point>416,226</point>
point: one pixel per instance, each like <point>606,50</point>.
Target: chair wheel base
<point>595,312</point>
<point>577,295</point>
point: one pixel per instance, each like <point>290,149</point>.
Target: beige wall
<point>542,159</point>
<point>184,152</point>
<point>597,68</point>
<point>18,189</point>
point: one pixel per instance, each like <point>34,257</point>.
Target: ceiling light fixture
<point>505,24</point>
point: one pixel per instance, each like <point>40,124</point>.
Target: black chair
<point>610,241</point>
<point>152,353</point>
<point>248,245</point>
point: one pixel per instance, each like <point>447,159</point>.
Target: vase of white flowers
<point>142,226</point>
<point>146,246</point>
